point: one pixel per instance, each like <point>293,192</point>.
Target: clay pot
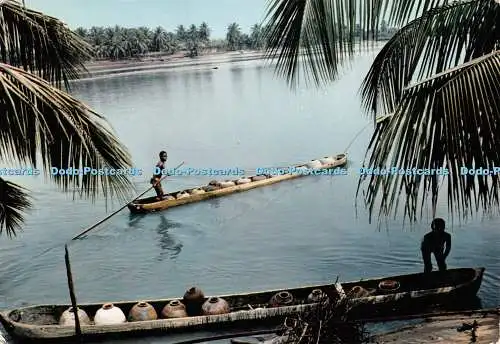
<point>214,306</point>
<point>174,309</point>
<point>193,300</point>
<point>283,298</point>
<point>109,314</point>
<point>213,182</point>
<point>209,188</point>
<point>226,184</point>
<point>168,198</point>
<point>314,164</point>
<point>258,178</point>
<point>316,296</point>
<point>197,191</point>
<point>358,292</point>
<point>389,285</point>
<point>182,195</point>
<point>327,160</point>
<point>68,317</point>
<point>142,311</point>
<point>243,181</point>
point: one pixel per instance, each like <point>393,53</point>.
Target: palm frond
<point>13,202</point>
<point>40,44</point>
<point>440,39</point>
<point>451,120</point>
<point>323,31</point>
<point>40,118</point>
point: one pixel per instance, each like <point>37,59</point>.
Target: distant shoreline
<point>107,68</point>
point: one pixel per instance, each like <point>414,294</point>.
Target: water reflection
<point>237,78</point>
<point>133,220</point>
<point>203,78</point>
<point>214,202</point>
<point>259,70</point>
<point>170,246</point>
<point>186,80</point>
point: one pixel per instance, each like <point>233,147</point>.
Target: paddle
<point>117,211</point>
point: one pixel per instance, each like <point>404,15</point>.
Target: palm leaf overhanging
<point>38,119</point>
<point>40,44</point>
<point>449,120</point>
<point>14,200</point>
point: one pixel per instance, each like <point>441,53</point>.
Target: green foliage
<point>41,125</point>
<point>122,43</point>
<point>433,88</point>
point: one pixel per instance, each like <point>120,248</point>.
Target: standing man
<point>435,242</point>
<point>160,166</point>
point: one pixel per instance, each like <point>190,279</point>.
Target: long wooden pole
<point>117,211</point>
<point>78,330</point>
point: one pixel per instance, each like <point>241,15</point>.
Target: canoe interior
<point>409,283</point>
<point>50,314</point>
<point>149,200</point>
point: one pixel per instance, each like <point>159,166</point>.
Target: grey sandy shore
<point>108,68</point>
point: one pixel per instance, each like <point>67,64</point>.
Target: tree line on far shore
<point>116,43</point>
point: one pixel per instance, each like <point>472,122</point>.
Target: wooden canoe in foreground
<point>41,323</point>
<point>177,198</point>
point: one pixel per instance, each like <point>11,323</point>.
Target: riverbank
<point>480,327</point>
<point>106,68</point>
<point>99,69</point>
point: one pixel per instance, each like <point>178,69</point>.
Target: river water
<point>290,234</point>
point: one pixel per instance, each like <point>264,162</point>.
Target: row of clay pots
<point>285,298</point>
<point>110,314</point>
<point>193,304</point>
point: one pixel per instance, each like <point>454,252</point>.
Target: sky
<point>151,13</point>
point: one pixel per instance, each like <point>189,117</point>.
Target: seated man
<point>434,243</point>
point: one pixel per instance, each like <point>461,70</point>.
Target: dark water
<point>290,234</point>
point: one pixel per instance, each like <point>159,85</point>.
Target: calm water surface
<point>294,233</point>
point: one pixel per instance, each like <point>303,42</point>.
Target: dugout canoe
<point>151,204</point>
<point>41,323</point>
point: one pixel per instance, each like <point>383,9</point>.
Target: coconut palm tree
<point>204,33</point>
<point>160,40</point>
<point>233,36</point>
<point>256,36</point>
<point>42,126</point>
<point>434,90</point>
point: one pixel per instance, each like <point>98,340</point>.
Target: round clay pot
<point>226,184</point>
<point>68,317</point>
<point>210,188</point>
<point>327,160</point>
<point>215,305</point>
<point>109,314</point>
<point>316,296</point>
<point>181,195</point>
<point>197,191</point>
<point>314,164</point>
<point>283,298</point>
<point>193,299</point>
<point>389,285</point>
<point>142,311</point>
<point>358,292</point>
<point>243,180</point>
<point>174,309</point>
